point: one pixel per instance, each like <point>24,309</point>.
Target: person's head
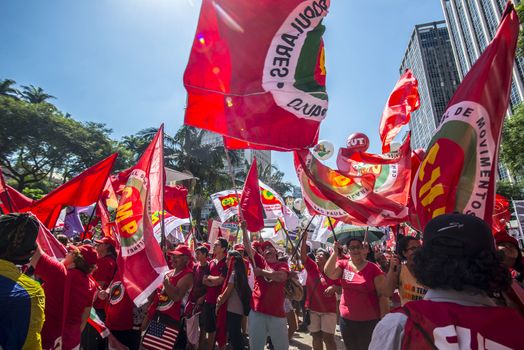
<point>321,257</point>
<point>83,258</point>
<point>459,254</point>
<point>357,250</point>
<point>236,257</point>
<point>382,260</point>
<point>509,248</point>
<point>240,248</point>
<point>105,246</point>
<point>180,256</point>
<point>18,234</point>
<point>201,254</point>
<point>220,247</point>
<point>406,246</point>
<point>269,252</point>
<point>63,239</point>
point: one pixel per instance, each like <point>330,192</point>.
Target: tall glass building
<point>429,55</point>
<point>472,25</point>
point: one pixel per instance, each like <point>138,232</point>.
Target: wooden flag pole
<point>332,229</point>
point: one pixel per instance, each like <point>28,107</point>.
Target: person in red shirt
<point>198,292</point>
<point>167,303</point>
<point>511,254</point>
<point>103,275</point>
<point>267,316</point>
<point>321,299</point>
<point>364,293</point>
<point>213,282</point>
<point>69,294</point>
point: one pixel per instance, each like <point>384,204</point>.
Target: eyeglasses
<point>356,247</point>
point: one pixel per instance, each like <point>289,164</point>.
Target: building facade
<point>429,55</point>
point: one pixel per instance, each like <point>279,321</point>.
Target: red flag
<point>256,67</point>
<point>459,170</point>
<point>11,201</point>
<point>140,261</point>
<point>403,100</point>
<point>250,203</point>
<point>81,191</point>
<point>350,199</point>
<point>175,201</point>
<point>49,244</point>
<point>501,214</point>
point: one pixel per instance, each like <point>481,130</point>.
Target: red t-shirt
<point>119,307</point>
<point>316,284</point>
<point>268,297</point>
<point>104,273</point>
<point>216,268</point>
<point>359,297</point>
<point>62,287</point>
<point>162,301</point>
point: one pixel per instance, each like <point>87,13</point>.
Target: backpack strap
<point>426,336</point>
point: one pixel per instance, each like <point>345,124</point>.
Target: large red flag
<point>81,191</point>
<point>257,67</point>
<point>460,167</point>
<point>11,200</point>
<point>403,100</point>
<point>250,202</point>
<point>140,261</point>
<point>175,201</point>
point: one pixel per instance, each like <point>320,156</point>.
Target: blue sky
<point>121,62</point>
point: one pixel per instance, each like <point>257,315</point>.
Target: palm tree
<point>6,88</point>
<point>34,94</point>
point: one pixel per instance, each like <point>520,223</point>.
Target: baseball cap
<point>458,235</point>
<point>181,249</point>
<point>239,247</point>
<point>504,237</point>
<point>88,253</point>
<point>106,240</point>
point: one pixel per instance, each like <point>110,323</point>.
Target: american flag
<point>159,336</point>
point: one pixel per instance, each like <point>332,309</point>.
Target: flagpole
<point>163,182</point>
<point>89,222</point>
<point>302,237</point>
<point>332,230</point>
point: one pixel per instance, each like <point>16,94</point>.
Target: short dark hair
<point>402,245</point>
<point>202,249</point>
<point>18,232</point>
<point>323,251</point>
<point>223,242</point>
<point>484,271</point>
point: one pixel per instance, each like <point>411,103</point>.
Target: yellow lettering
<point>124,211</point>
<point>129,228</point>
<point>430,190</point>
<point>126,192</point>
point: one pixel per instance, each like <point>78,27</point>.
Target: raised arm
<point>392,277</point>
<point>331,269</point>
<point>303,247</point>
<point>246,240</point>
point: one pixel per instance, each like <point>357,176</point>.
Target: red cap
<point>504,237</point>
<point>181,249</point>
<point>89,254</point>
<point>256,245</point>
<point>266,244</point>
<point>239,246</point>
<point>106,240</point>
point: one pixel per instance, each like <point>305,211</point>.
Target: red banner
<point>256,67</point>
<point>460,167</point>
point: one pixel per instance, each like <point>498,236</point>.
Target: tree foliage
<point>512,148</point>
<point>511,190</point>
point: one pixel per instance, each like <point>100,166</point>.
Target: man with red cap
<point>166,305</point>
<point>103,275</point>
<point>69,294</point>
<point>267,316</point>
<point>511,254</point>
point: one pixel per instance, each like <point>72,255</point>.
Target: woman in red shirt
<point>69,294</point>
<point>364,294</point>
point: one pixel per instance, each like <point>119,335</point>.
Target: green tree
<point>34,94</point>
<point>7,89</point>
<point>510,190</point>
<point>274,178</point>
<point>520,12</point>
<point>39,145</point>
<point>512,148</point>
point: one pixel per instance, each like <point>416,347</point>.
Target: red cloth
<point>359,297</point>
<point>450,324</point>
<point>216,268</point>
<point>317,282</point>
<point>175,201</point>
<point>250,202</point>
<point>69,288</point>
<point>240,86</point>
<point>81,191</point>
<point>119,307</point>
<point>501,214</point>
<point>403,100</point>
<point>162,301</point>
<point>103,275</point>
<point>49,244</point>
<point>268,297</point>
<point>141,261</point>
<point>470,131</point>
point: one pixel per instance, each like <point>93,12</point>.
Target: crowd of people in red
<point>452,293</point>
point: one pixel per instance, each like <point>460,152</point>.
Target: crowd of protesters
<point>454,289</point>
